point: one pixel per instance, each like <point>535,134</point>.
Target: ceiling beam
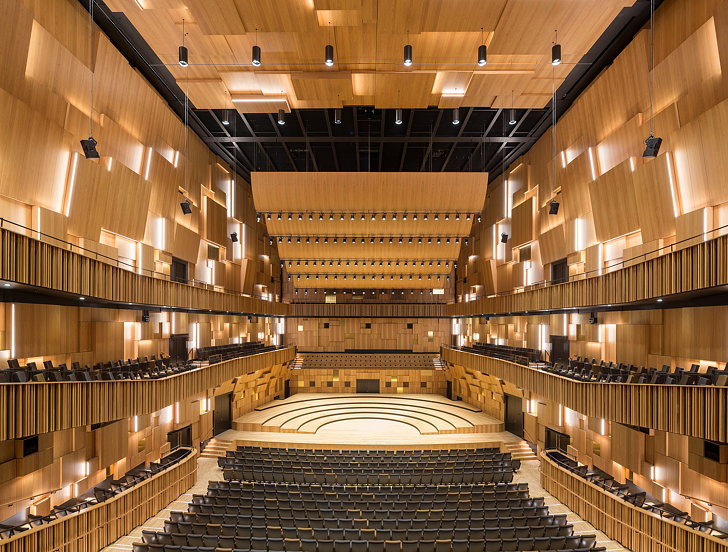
<point>365,139</point>
<point>463,123</point>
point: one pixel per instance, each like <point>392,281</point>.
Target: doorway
<point>178,270</point>
<point>559,272</point>
<point>448,390</point>
<point>367,386</point>
<point>222,414</point>
<point>514,415</point>
<point>181,437</point>
<point>557,440</point>
<point>286,389</point>
<point>559,348</point>
<point>178,347</point>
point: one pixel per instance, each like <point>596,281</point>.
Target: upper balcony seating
<point>130,369</point>
<point>633,494</point>
<point>218,353</point>
<point>519,355</point>
<point>586,370</point>
<point>101,492</point>
<point>368,516</point>
<point>373,359</point>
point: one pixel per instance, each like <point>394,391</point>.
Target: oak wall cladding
<point>133,191</point>
<point>613,202</point>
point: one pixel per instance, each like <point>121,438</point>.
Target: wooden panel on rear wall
<point>186,244</point>
<point>613,203</point>
<point>216,222</point>
<point>653,193</point>
<point>553,245</point>
<point>633,344</point>
<point>522,224</point>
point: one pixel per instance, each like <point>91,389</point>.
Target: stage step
<point>521,450</point>
<point>215,448</point>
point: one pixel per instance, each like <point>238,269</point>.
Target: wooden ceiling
<point>368,38</point>
<point>369,230</point>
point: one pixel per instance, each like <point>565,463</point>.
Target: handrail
<point>126,266</point>
<point>99,525</point>
<point>632,526</point>
<point>42,407</point>
<point>601,271</point>
<point>694,410</point>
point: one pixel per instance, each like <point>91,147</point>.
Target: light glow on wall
<point>71,183</point>
<point>161,234</point>
<point>579,234</point>
<point>673,186</point>
<point>603,427</point>
<point>148,163</point>
<point>592,164</point>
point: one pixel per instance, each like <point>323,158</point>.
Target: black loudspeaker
<point>234,237</point>
<point>89,148</point>
<point>554,208</point>
<point>652,148</point>
<point>145,316</point>
<point>504,237</point>
<point>593,318</point>
<point>186,208</point>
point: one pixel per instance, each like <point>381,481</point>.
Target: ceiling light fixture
<point>408,55</point>
<point>337,116</point>
<point>512,121</point>
<point>456,116</point>
<point>281,117</point>
<point>329,57</point>
<point>556,50</point>
<point>255,58</point>
<point>652,143</point>
<point>482,50</point>
<point>398,116</point>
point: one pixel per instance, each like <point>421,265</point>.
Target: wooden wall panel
<point>654,191</point>
<point>523,222</point>
<point>613,203</point>
<point>216,222</point>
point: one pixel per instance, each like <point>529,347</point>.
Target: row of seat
<point>454,476</point>
<point>367,467</point>
<point>609,372</point>
<point>218,353</point>
<point>636,496</point>
<point>264,488</point>
<point>295,544</point>
<point>369,360</point>
<point>130,369</point>
<point>364,510</point>
<point>96,495</point>
<point>586,370</point>
<point>372,546</point>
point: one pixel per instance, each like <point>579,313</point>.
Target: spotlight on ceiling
<point>504,237</point>
<point>398,116</point>
<point>556,54</point>
<point>255,58</point>
<point>408,55</point>
<point>281,117</point>
<point>482,55</point>
<point>652,147</point>
<point>337,116</point>
<point>329,57</point>
<point>225,119</point>
<point>186,207</point>
<point>89,148</point>
<point>554,207</point>
<point>234,237</point>
<point>456,116</point>
<point>183,56</point>
<point>512,121</point>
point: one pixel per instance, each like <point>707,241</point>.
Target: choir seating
<point>367,512</point>
<point>407,361</point>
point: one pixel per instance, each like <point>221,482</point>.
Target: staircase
<point>297,363</point>
<point>439,364</point>
<point>215,448</point>
<point>521,450</point>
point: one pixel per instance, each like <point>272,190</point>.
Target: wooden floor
<point>392,415</point>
